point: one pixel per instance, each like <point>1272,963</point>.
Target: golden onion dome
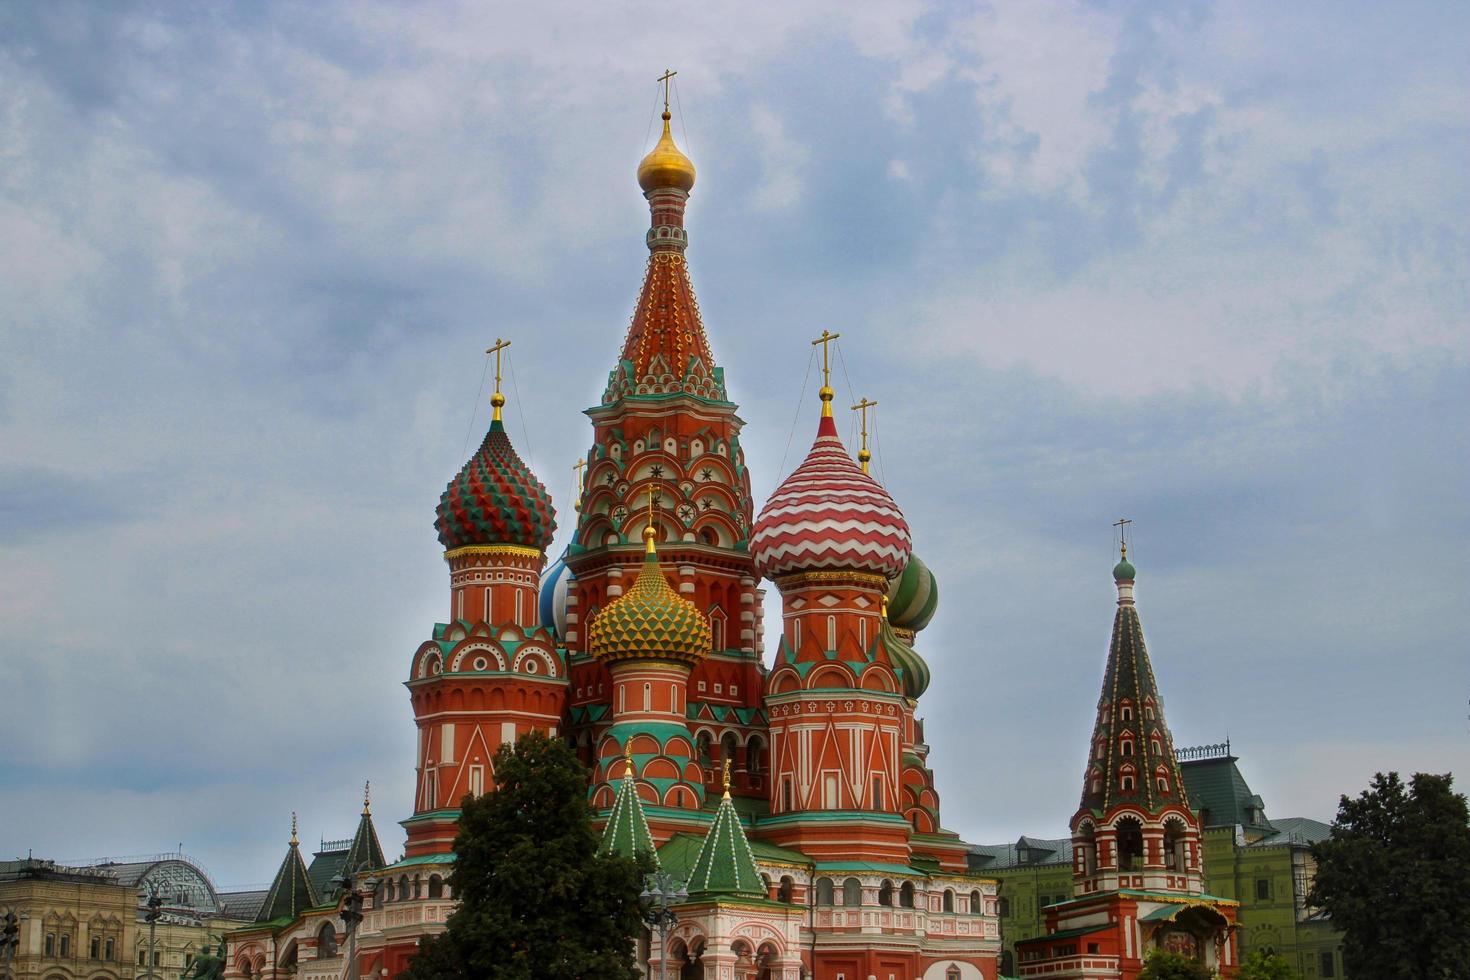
<point>650,621</point>
<point>666,165</point>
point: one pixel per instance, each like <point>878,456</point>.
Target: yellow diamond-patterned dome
<point>650,622</point>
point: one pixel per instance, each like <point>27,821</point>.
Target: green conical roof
<point>626,832</point>
<point>365,854</point>
<point>726,865</point>
<point>291,892</point>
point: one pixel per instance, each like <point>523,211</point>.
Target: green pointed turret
<point>291,892</point>
<point>627,831</point>
<point>726,865</point>
<point>366,853</point>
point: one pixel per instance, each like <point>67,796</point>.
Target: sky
<point>1201,265</point>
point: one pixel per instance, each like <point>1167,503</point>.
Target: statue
<point>208,966</point>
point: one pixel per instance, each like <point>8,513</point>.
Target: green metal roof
<point>627,832</point>
<point>1221,795</point>
<point>726,864</point>
<point>291,892</point>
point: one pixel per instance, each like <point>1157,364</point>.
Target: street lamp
<point>659,892</point>
<point>155,909</point>
<point>351,915</point>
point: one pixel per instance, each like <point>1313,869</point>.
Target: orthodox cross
<point>1122,526</point>
<point>579,466</point>
<point>497,399</point>
<point>863,455</point>
<point>628,758</point>
<point>294,841</point>
<point>668,74</point>
<point>367,797</point>
<point>826,393</point>
<point>727,777</point>
<point>651,532</point>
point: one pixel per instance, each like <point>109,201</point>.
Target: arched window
<point>727,747</point>
<point>1175,853</point>
<point>977,905</point>
<point>885,893</point>
<point>953,973</point>
<point>1127,747</point>
<point>1130,844</point>
<point>906,895</point>
<point>436,886</point>
<point>385,892</point>
<point>788,887</point>
<point>852,892</point>
<point>754,764</point>
<point>824,891</point>
<point>948,900</point>
<point>326,941</point>
<point>704,741</point>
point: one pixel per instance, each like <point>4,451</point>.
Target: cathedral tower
<point>1134,827</point>
<point>665,426</point>
<point>1137,878</point>
<point>650,640</point>
<point>830,538</point>
<point>493,672</point>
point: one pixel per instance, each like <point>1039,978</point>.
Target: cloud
<point>1196,268</point>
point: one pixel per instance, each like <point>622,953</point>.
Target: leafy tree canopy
<point>536,899</point>
<point>1395,878</point>
<point>1261,965</point>
<point>1163,965</point>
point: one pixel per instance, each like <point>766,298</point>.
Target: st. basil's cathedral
<point>793,799</point>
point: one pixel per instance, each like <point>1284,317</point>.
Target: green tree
<point>1261,965</point>
<point>1395,878</point>
<point>1163,965</point>
<point>536,899</point>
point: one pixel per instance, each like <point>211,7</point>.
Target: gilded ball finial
<point>666,166</point>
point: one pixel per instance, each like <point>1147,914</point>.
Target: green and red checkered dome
<point>495,499</point>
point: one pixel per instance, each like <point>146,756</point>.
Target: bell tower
<point>665,427</point>
<point>492,672</point>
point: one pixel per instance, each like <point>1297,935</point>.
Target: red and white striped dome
<point>829,514</point>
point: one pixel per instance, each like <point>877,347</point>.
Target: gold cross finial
<point>497,399</point>
<point>650,533</point>
<point>294,841</point>
<point>1122,525</point>
<point>579,466</point>
<point>727,778</point>
<point>863,455</point>
<point>628,758</point>
<point>367,798</point>
<point>826,392</point>
<point>668,74</point>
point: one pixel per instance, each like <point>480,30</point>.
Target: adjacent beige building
<point>89,922</point>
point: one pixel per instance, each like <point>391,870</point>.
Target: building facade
<point>795,800</point>
<point>91,921</point>
<point>1263,864</point>
<point>1137,866</point>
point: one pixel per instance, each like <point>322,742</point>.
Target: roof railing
<point>1193,753</point>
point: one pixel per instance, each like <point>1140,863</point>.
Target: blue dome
<point>552,605</point>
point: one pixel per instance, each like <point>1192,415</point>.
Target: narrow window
<point>96,948</point>
<point>477,780</point>
<point>111,949</point>
<point>786,794</point>
<point>65,945</point>
<point>489,606</point>
<point>863,632</point>
<point>50,944</point>
<point>1328,963</point>
<point>520,619</point>
<point>647,696</point>
<point>1127,746</point>
<point>831,632</point>
<point>446,742</point>
<point>459,604</point>
<point>877,792</point>
<point>1263,889</point>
